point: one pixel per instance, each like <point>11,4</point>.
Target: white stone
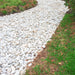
<point>13,69</point>
<point>22,72</point>
<point>17,73</point>
<point>30,64</point>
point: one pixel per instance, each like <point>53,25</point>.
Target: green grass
<point>4,3</point>
<point>71,4</point>
<point>61,49</point>
<point>64,42</point>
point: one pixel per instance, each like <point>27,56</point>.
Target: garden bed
<point>13,6</point>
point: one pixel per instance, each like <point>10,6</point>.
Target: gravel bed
<point>23,35</point>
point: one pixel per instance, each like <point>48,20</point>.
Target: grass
<point>59,56</point>
<point>12,6</point>
<point>5,3</point>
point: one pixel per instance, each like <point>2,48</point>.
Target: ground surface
<point>58,58</point>
<point>23,35</point>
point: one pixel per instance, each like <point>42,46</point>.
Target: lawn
<point>58,58</point>
<point>13,6</point>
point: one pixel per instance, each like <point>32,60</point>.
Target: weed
<point>4,12</point>
<point>21,8</point>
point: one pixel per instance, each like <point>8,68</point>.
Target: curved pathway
<point>23,35</point>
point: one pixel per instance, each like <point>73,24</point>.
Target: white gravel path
<point>24,34</point>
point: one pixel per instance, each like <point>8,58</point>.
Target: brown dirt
<point>39,61</point>
<point>41,55</point>
<point>73,28</point>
